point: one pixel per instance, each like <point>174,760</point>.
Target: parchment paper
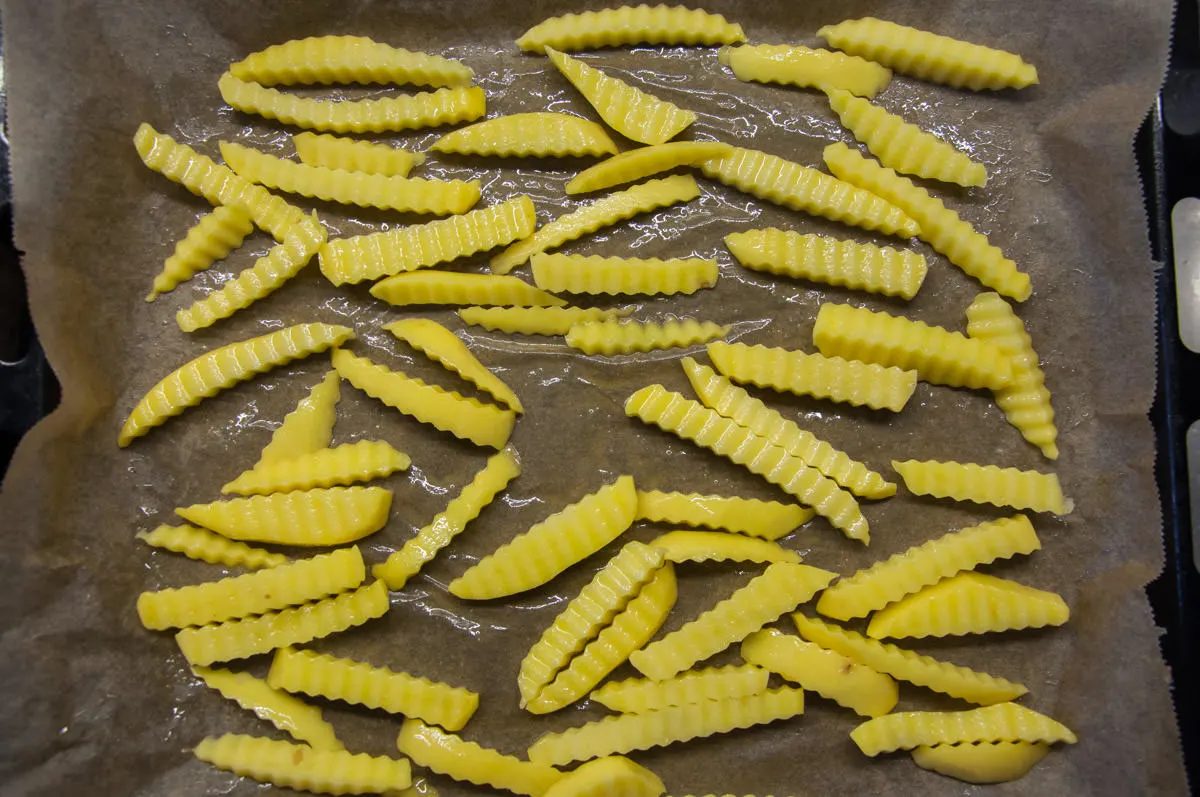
<point>95,704</point>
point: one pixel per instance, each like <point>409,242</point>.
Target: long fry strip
<point>347,59</point>
<point>636,695</point>
<point>444,347</point>
<point>302,767</point>
<point>216,235</point>
<point>457,758</point>
<point>303,722</point>
<point>208,546</point>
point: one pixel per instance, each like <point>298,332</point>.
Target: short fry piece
<point>718,393</point>
<point>798,187</point>
<point>903,146</point>
<point>347,59</point>
<point>905,665</point>
<point>940,226</point>
<point>452,287</point>
<point>213,371</point>
<point>926,564</point>
<point>635,114</point>
<point>444,347</point>
<point>321,517</point>
<point>522,135</point>
<point>613,776</point>
<point>652,276</point>
<point>825,672</point>
<point>626,337</point>
<point>301,721</point>
<point>536,556</point>
<point>637,695</point>
<point>936,354</point>
<point>969,603</point>
<point>983,762</point>
<point>643,24</point>
<point>210,547</point>
<point>302,767</point>
<point>501,468</point>
<point>635,164</point>
<point>806,68</point>
<point>346,464</point>
<point>1026,402</point>
<point>834,261</point>
<point>625,732</point>
<point>690,420</point>
<point>213,237</point>
<point>382,254</point>
<point>353,155</point>
<point>457,758</point>
<point>533,320</point>
<point>930,57</point>
<point>405,112</point>
<point>781,588</point>
<point>1003,722</point>
<point>464,417</point>
<point>604,212</point>
<point>985,484</point>
<point>333,678</point>
<point>309,427</point>
<point>240,639</point>
<point>720,546</point>
<point>769,520</point>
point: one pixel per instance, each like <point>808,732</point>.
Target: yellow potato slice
<point>626,337</point>
<point>347,59</point>
<point>636,695</point>
<point>212,238</point>
<point>1003,722</point>
<point>309,427</point>
<point>985,484</point>
<point>769,520</point>
<point>320,517</point>
<point>450,755</point>
<point>613,776</point>
<point>293,716</point>
<point>346,464</point>
<point>210,547</point>
<point>635,164</point>
<point>650,276</point>
<point>353,155</point>
<point>444,347</point>
<point>805,67</point>
<point>540,135</point>
<point>720,546</point>
<point>643,24</point>
<point>302,767</point>
<point>984,762</point>
<point>534,320</point>
<point>452,287</point>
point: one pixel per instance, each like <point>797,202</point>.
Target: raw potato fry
<point>923,565</point>
<point>969,603</point>
<point>720,546</point>
<point>631,166</point>
<point>1026,402</point>
<point>604,212</point>
<point>613,776</point>
<point>642,24</point>
<point>930,57</point>
<point>804,67</point>
<point>444,347</point>
<point>905,147</point>
<point>1004,722</point>
<point>452,287</point>
<point>984,762</point>
<point>940,227</point>
<point>212,238</point>
<point>199,174</point>
<point>626,337</point>
<point>266,276</point>
<point>450,755</point>
<point>690,420</point>
<point>718,393</point>
<point>829,674</point>
<point>302,767</point>
<point>289,714</point>
<point>625,732</point>
<point>216,370</point>
<point>309,427</point>
<point>985,484</point>
<point>593,609</point>
<point>406,112</point>
<point>638,695</point>
<point>465,418</point>
<point>321,517</point>
<point>411,194</point>
<point>905,665</point>
<point>797,187</point>
<point>769,520</point>
<point>631,629</point>
<point>936,354</point>
<point>344,465</point>
<point>652,276</point>
<point>253,593</point>
<point>383,254</point>
<point>333,678</point>
<point>781,588</point>
<point>329,60</point>
<point>536,556</point>
<point>501,468</point>
<point>833,261</point>
<point>208,546</point>
<point>240,639</point>
<point>533,320</point>
<point>635,114</point>
<point>524,135</point>
<point>353,155</point>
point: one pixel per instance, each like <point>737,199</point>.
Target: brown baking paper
<point>95,704</point>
